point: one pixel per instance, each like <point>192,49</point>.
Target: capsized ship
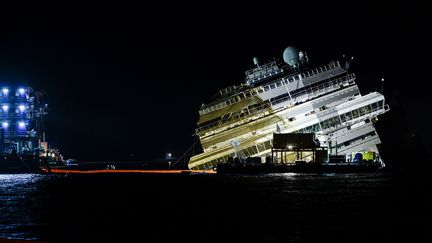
<point>289,96</point>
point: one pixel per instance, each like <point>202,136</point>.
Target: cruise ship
<point>289,96</point>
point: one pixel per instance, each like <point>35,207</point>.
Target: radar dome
<point>291,56</point>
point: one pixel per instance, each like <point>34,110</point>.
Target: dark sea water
<point>213,208</point>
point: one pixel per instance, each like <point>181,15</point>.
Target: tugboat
<point>292,96</point>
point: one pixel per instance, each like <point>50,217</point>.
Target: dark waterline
<point>203,208</point>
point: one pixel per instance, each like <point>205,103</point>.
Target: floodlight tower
<point>22,110</point>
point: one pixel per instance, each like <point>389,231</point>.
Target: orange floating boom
<point>65,171</point>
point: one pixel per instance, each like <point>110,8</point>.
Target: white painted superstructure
<point>279,97</point>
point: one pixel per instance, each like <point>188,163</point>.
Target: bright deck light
<point>21,124</point>
<point>21,91</point>
<point>5,124</point>
<point>5,91</point>
<point>5,108</point>
<point>21,108</point>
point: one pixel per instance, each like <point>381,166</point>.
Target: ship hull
<point>296,168</point>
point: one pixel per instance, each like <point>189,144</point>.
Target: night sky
<point>128,83</point>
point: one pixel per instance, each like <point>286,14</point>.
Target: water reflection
<point>20,204</point>
<point>14,180</point>
<point>289,207</point>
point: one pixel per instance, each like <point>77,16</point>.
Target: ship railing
<point>227,90</point>
<point>320,69</point>
<point>246,112</point>
<point>316,90</point>
<point>248,93</point>
<point>226,102</point>
<point>278,83</point>
<point>282,81</point>
<point>292,78</point>
<point>262,76</point>
<point>264,68</point>
<point>332,84</point>
<point>342,148</point>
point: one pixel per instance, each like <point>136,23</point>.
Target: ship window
<point>316,128</point>
<point>348,116</point>
<point>266,88</point>
<point>267,145</point>
<point>374,106</point>
<point>367,109</point>
<point>323,125</point>
<point>380,104</point>
<point>255,149</point>
<point>343,117</point>
<point>245,152</point>
<point>336,120</point>
<point>362,111</point>
<point>355,113</point>
<point>331,122</point>
<point>250,151</point>
<point>260,147</point>
<point>272,86</point>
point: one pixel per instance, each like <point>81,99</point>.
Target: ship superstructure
<point>22,120</point>
<point>289,97</point>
